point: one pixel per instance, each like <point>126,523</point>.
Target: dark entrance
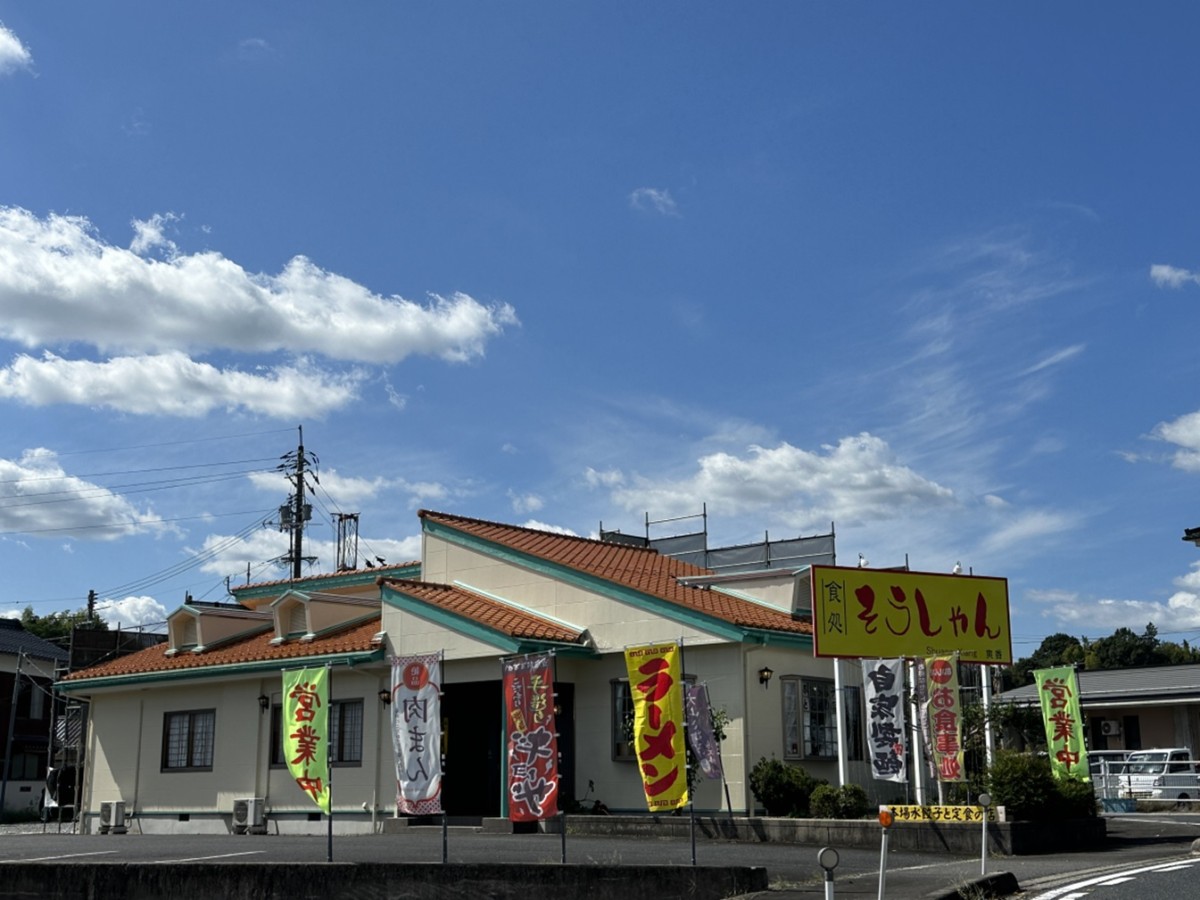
<point>473,730</point>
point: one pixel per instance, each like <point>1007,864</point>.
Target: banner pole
<point>556,710</point>
<point>329,759</point>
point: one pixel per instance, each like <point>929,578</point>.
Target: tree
<point>1056,650</point>
<point>1123,649</point>
<point>57,626</point>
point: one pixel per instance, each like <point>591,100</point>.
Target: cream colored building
<point>182,732</point>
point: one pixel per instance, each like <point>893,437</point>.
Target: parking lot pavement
<point>792,869</point>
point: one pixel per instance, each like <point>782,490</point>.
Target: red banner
<point>531,767</point>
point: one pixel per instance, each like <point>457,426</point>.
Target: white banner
<point>417,733</point>
<point>887,738</point>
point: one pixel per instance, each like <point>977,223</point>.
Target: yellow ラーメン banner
<point>306,731</point>
<point>878,613</point>
<point>1059,693</point>
<point>656,686</point>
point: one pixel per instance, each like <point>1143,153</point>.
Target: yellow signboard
<point>879,613</point>
<point>941,813</point>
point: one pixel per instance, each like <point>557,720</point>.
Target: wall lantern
<point>764,676</point>
<point>264,702</point>
<point>385,697</point>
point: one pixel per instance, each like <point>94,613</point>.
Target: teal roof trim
<point>83,685</point>
<point>594,583</point>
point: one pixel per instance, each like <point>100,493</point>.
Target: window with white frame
<point>810,719</point>
<point>188,740</point>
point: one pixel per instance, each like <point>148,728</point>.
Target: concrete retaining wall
<point>1004,838</point>
<point>348,881</point>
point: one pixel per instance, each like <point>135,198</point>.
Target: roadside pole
<point>885,820</point>
<point>985,800</point>
<point>827,859</point>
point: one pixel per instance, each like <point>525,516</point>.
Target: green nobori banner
<point>306,731</point>
<point>1059,693</point>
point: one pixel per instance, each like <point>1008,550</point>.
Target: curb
<point>1002,884</point>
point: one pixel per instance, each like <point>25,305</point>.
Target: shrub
<point>782,789</point>
<point>823,804</point>
<point>853,802</point>
<point>847,802</point>
<point>1024,784</point>
<point>1078,798</point>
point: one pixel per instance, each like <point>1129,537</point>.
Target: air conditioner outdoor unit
<point>1110,727</point>
<point>249,816</point>
<point>112,817</point>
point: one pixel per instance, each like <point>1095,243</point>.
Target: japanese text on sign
<point>1059,694</point>
<point>883,687</point>
<point>876,613</point>
<point>532,742</point>
<point>655,684</point>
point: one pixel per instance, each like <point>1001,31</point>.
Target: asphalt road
<point>1135,841</point>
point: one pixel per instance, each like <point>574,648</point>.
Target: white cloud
<point>525,503</point>
<point>1028,529</point>
<point>1181,612</point>
<point>1054,359</point>
<point>150,235</point>
<point>59,283</point>
<point>654,200</point>
<point>38,498</point>
<point>13,54</point>
<point>1185,433</point>
<point>349,492</point>
<point>1172,277</point>
<point>255,48</point>
<point>609,478</point>
<point>230,555</point>
<point>132,612</point>
<point>542,526</point>
<point>855,482</point>
<point>172,384</point>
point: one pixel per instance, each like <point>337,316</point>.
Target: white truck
<point>1168,773</point>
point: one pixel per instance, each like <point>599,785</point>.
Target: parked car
<point>1160,774</point>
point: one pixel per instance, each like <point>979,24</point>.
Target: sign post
<point>827,859</point>
<point>885,820</point>
<point>985,800</point>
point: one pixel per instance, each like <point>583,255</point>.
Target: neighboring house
<point>1133,709</point>
<point>35,660</point>
<point>181,732</point>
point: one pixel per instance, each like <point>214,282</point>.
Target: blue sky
<point>929,273</point>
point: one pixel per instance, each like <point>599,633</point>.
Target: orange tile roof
<point>499,616</point>
<point>256,648</point>
<point>638,568</point>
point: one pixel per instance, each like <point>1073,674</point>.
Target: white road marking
<point>1071,891</point>
<point>203,858</point>
<point>64,856</point>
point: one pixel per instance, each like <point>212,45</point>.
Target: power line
<point>189,441</point>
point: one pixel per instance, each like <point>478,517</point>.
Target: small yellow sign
<point>942,813</point>
<point>879,613</point>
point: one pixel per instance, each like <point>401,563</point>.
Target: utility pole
<point>296,511</point>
